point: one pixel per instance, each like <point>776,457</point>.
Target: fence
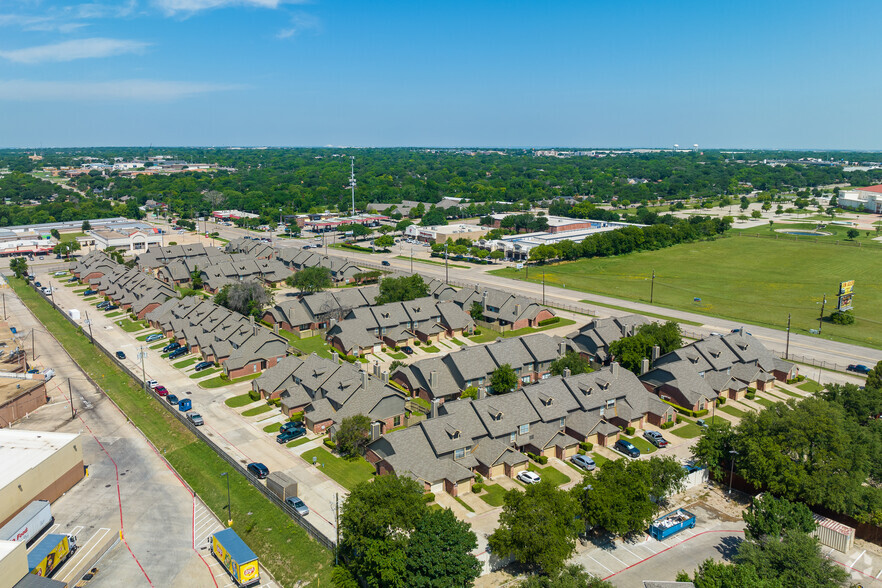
<point>827,365</point>
<point>824,240</point>
<point>328,542</point>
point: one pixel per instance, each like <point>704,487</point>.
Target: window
<point>459,454</point>
<point>601,411</point>
<point>546,375</point>
<point>563,422</point>
<point>512,437</point>
<point>701,404</point>
<point>396,421</point>
<point>524,429</point>
<point>525,380</point>
<point>611,403</point>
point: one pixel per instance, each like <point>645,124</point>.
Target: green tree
<point>477,311</point>
<point>384,241</point>
<point>795,561</point>
<point>66,248</point>
<point>403,224</point>
<point>571,576</point>
<point>715,574</point>
<point>376,520</point>
<point>310,279</point>
<point>386,229</point>
<point>357,229</point>
<point>196,278</point>
<point>618,497</point>
<point>247,298</point>
<point>55,233</point>
<point>439,552</point>
<point>768,516</point>
<point>87,226</point>
<point>756,214</point>
<point>435,217</point>
<point>874,378</point>
<point>853,234</point>
<point>498,254</point>
<point>503,379</point>
<point>352,435</point>
<point>572,361</point>
<point>712,449</point>
<point>470,392</point>
<point>402,289</point>
<point>537,527</point>
<point>19,266</point>
<point>631,351</point>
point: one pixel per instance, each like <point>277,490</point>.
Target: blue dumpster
<point>185,405</point>
<point>672,523</point>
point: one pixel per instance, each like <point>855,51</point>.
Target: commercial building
<point>37,465</point>
<point>20,395</point>
<point>440,233</point>
<point>129,241</point>
<point>868,199</point>
<point>233,214</point>
<point>518,246</point>
<point>331,224</point>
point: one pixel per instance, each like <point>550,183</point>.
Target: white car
<point>152,384</point>
<point>528,477</point>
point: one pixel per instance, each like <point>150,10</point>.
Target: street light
<point>229,510</point>
<point>733,453</point>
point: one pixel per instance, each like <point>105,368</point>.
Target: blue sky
<point>779,74</point>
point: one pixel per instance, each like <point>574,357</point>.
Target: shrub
<point>700,413</point>
<point>224,377</point>
<point>800,378</point>
<point>721,400</point>
<point>549,321</point>
<point>581,452</point>
<point>479,478</point>
<point>296,416</point>
<point>349,358</point>
<point>630,431</point>
<point>542,459</point>
<point>417,343</point>
<point>751,390</point>
<point>172,243</point>
<point>750,395</point>
<point>668,424</point>
<point>329,444</point>
<point>586,446</point>
<point>428,497</point>
<point>383,349</point>
<point>679,420</point>
<point>477,487</point>
<point>477,331</point>
<point>842,318</point>
<point>254,394</point>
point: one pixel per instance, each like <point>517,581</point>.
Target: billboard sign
<point>845,302</point>
<point>846,287</point>
<point>846,293</point>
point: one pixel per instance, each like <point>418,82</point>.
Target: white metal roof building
<point>519,246</point>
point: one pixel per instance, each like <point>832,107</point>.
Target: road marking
<point>83,556</point>
<point>77,529</point>
<point>53,528</point>
<point>879,574</point>
<point>600,564</point>
<point>629,551</point>
<point>615,558</point>
<point>857,558</point>
<point>646,546</point>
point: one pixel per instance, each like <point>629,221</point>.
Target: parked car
<point>655,438</point>
<point>47,290</point>
<point>172,399</point>
<point>56,274</point>
<point>385,262</point>
<point>178,352</point>
<point>38,284</point>
<point>171,347</point>
<point>90,292</point>
<point>858,368</point>
<point>111,307</point>
<point>627,448</point>
<point>161,390</point>
<point>203,365</point>
<point>290,435</point>
<point>739,330</point>
<point>258,469</point>
<point>291,426</point>
<point>102,305</point>
<point>153,337</point>
<point>120,355</point>
<point>407,349</point>
<point>72,280</point>
<point>701,423</point>
<point>528,477</point>
<point>297,505</point>
<point>583,461</point>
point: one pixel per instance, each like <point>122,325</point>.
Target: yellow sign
<point>846,287</point>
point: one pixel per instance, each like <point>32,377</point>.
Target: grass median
<point>282,545</point>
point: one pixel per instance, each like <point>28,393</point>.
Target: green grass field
<point>763,402</point>
<point>432,262</point>
<point>282,545</point>
<point>549,473</point>
<point>186,363</point>
<point>314,344</point>
<point>205,373</point>
<point>239,401</point>
<point>297,442</point>
<point>758,281</point>
<point>347,472</point>
<point>807,386</point>
<point>257,410</point>
<point>494,496</point>
<point>273,428</point>
<point>733,411</point>
<point>687,431</point>
<point>217,382</point>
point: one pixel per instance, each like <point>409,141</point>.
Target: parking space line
<point>858,558</point>
<point>82,557</point>
<point>879,574</point>
<point>629,551</point>
<point>646,546</point>
<point>77,529</point>
<point>617,559</point>
<point>600,564</point>
<point>53,528</point>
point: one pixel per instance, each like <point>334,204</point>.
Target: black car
<point>111,307</point>
<point>38,284</point>
<point>290,435</point>
<point>627,448</point>
<point>407,349</point>
<point>291,426</point>
<point>90,292</point>
<point>73,279</point>
<point>120,355</point>
<point>172,399</point>
<point>259,470</point>
<point>203,365</point>
<point>102,305</point>
<point>177,352</point>
<point>386,262</point>
<point>858,368</point>
<point>171,347</point>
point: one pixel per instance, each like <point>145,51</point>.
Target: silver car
<point>195,418</point>
<point>298,505</point>
<point>583,461</point>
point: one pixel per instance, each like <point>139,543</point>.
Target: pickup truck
<point>290,435</point>
<point>671,524</point>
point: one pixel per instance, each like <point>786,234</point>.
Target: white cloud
<point>128,90</point>
<point>66,19</point>
<point>171,7</point>
<point>300,22</point>
<point>75,49</point>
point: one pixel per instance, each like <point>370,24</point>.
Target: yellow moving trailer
<point>236,557</point>
<point>50,553</point>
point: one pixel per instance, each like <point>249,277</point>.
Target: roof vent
<point>546,399</point>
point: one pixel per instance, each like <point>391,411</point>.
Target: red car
<point>161,390</point>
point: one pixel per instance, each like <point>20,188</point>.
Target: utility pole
<point>821,318</point>
<point>229,504</point>
<point>787,347</point>
<point>446,274</point>
<point>89,324</point>
<point>70,392</point>
<point>411,259</point>
<point>4,306</point>
<point>652,288</point>
<point>337,528</point>
<point>141,354</point>
<point>33,346</point>
<point>543,286</point>
<point>352,182</point>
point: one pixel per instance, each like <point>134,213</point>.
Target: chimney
<point>377,368</point>
<point>375,430</point>
<point>364,379</point>
<point>562,348</point>
<point>435,403</point>
<point>484,300</point>
<point>276,328</point>
<point>385,376</point>
<point>566,373</point>
<point>656,352</point>
<point>433,379</point>
<point>644,366</point>
<point>615,369</point>
<point>335,357</point>
<point>517,310</point>
<point>482,392</point>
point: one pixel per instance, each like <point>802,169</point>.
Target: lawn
<point>239,401</point>
<point>422,402</point>
<point>205,373</point>
<point>115,314</point>
<point>80,291</point>
<point>67,237</point>
<point>527,330</point>
<point>795,278</point>
<point>217,382</point>
<point>397,355</point>
<point>457,341</point>
<point>649,314</point>
<point>733,411</point>
<point>432,261</point>
<point>764,402</point>
<point>160,345</point>
<point>314,344</point>
<point>549,473</point>
<point>346,472</point>
<point>297,442</point>
<point>431,349</point>
<point>90,298</point>
<point>186,363</point>
<point>486,336</point>
<point>599,459</point>
<point>130,326</point>
<point>806,386</point>
<point>687,431</point>
<point>257,410</point>
<point>282,545</point>
<point>273,428</point>
<point>640,443</point>
<point>463,503</point>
